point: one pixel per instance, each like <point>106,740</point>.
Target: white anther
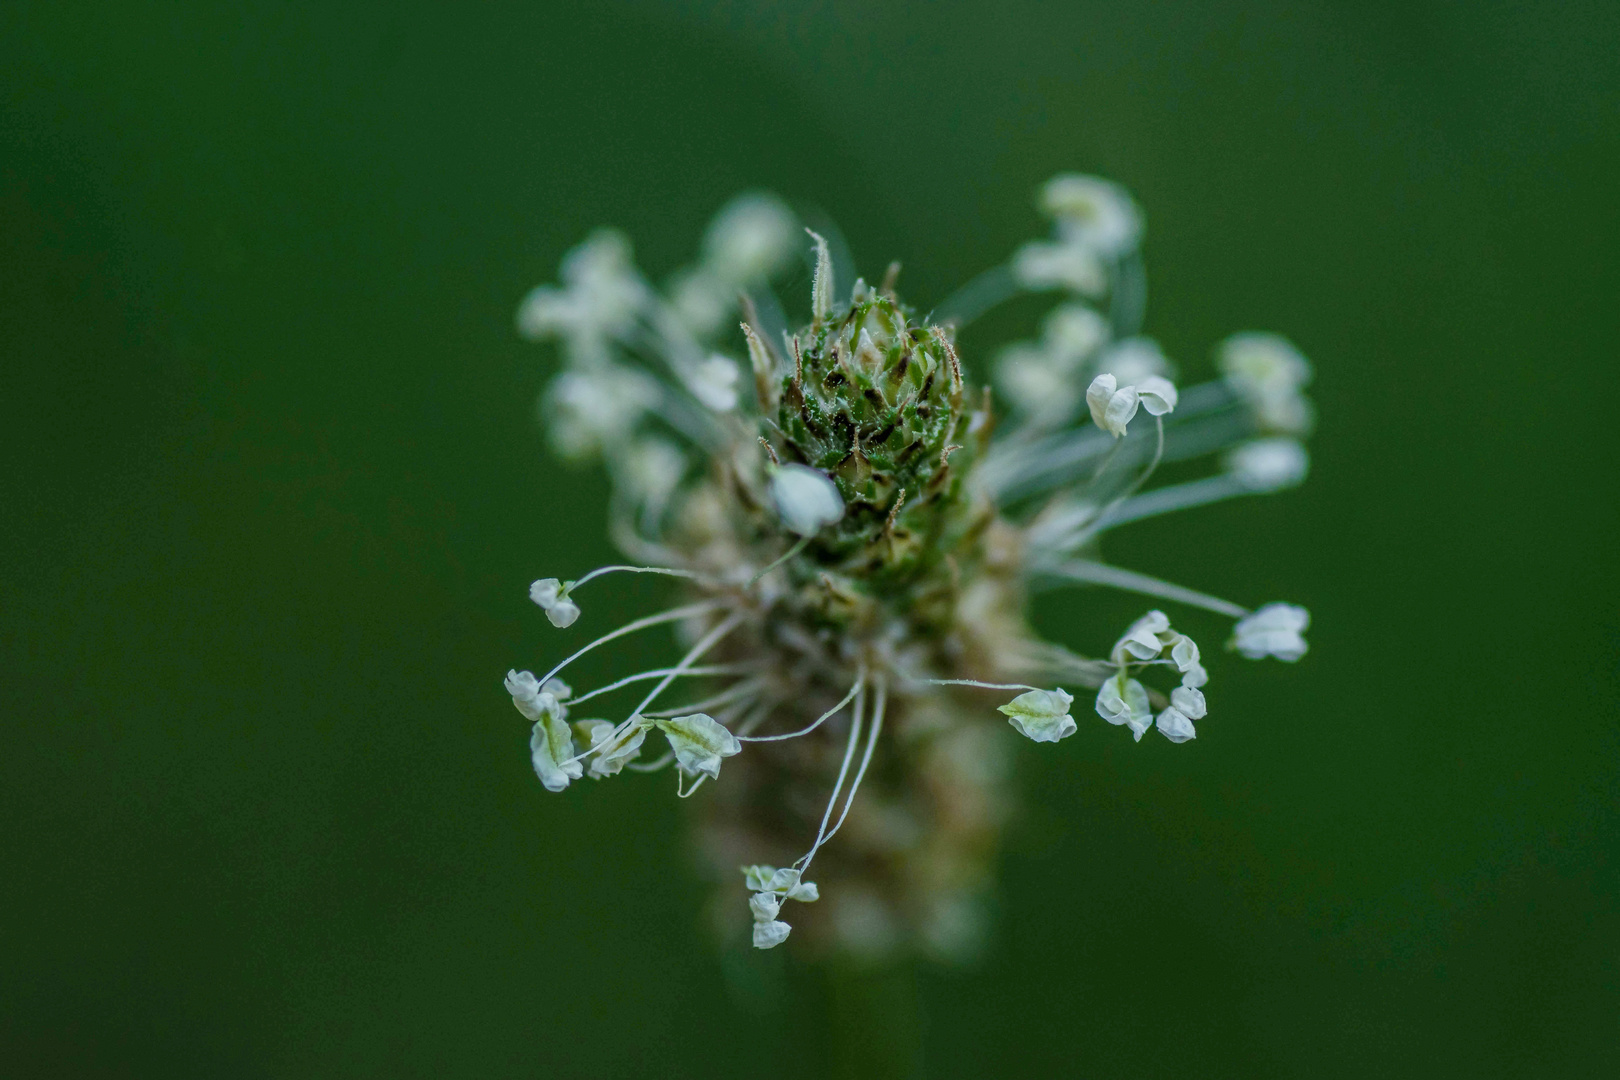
<point>699,742</point>
<point>1275,630</point>
<point>1125,701</point>
<point>1269,464</point>
<point>714,382</point>
<point>552,597</point>
<point>806,500</point>
<point>1041,715</point>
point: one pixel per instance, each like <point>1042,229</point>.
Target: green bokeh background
<point>272,489</point>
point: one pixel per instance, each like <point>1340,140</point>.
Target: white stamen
<point>1274,630</point>
<point>714,383</point>
<point>1267,465</point>
<point>1041,715</point>
<point>671,615</point>
<point>860,773</point>
<point>1124,701</point>
<point>806,501</point>
<point>860,683</point>
<point>655,673</point>
<point>1100,574</point>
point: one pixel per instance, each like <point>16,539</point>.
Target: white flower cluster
<point>1123,700</point>
<point>552,597</point>
<point>771,887</point>
<point>697,741</point>
<point>552,744</point>
<point>1095,222</point>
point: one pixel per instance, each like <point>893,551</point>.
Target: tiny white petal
<point>782,880</point>
<point>550,747</point>
<point>1041,715</point>
<point>805,892</point>
<point>531,700</point>
<point>545,591</point>
<point>1112,407</point>
<point>1042,264</point>
<point>1189,701</point>
<point>1098,395</point>
<point>1145,638</point>
<point>758,877</point>
<point>1269,464</point>
<point>699,742</point>
<point>751,237</point>
<point>609,757</point>
<point>806,500</point>
<point>1092,211</point>
<point>562,614</point>
<point>522,684</point>
<point>764,906</point>
<point>1158,395</point>
<point>714,383</point>
<point>1121,410</point>
<point>1184,652</point>
<point>1176,726</point>
<point>769,935</point>
<point>1194,677</point>
<point>1126,705</point>
<point>1275,630</point>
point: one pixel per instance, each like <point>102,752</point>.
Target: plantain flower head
<point>852,522</point>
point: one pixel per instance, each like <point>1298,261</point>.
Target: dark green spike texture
<point>877,402</point>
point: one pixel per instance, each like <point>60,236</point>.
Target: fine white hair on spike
<point>821,286</point>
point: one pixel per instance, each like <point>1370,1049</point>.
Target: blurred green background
<point>272,490</point>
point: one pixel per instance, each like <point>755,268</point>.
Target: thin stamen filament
<point>866,759</point>
<point>748,688</point>
<point>1101,574</point>
<point>665,570</point>
<point>708,641</point>
<point>843,771</point>
<point>671,615</point>
<point>642,676</point>
<point>1096,525</point>
<point>761,713</point>
<point>980,685</point>
<point>784,557</point>
<point>860,683</point>
<point>661,762</point>
<point>1176,497</point>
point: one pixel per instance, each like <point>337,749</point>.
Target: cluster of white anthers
<point>652,384</point>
